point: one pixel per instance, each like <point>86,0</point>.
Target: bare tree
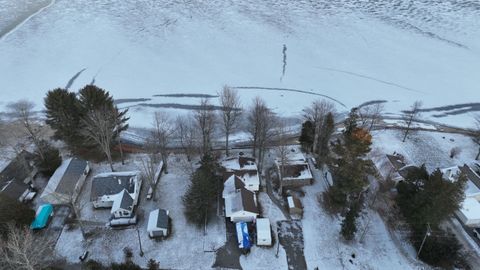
<point>411,116</point>
<point>370,115</point>
<point>282,149</point>
<point>476,135</point>
<point>22,251</point>
<point>261,123</point>
<point>162,133</point>
<point>205,120</point>
<point>99,127</point>
<point>317,114</point>
<point>187,134</point>
<point>230,113</point>
<point>22,111</point>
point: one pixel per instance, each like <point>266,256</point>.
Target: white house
<point>109,189</point>
<point>158,223</point>
<point>231,185</point>
<point>241,206</point>
<point>469,213</point>
<point>246,169</point>
<point>123,205</point>
<point>65,184</point>
<point>264,234</point>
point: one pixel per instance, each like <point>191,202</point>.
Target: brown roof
<point>238,182</point>
<point>293,170</point>
<point>242,161</point>
<point>296,202</point>
<point>397,161</point>
<point>241,173</point>
<point>248,201</point>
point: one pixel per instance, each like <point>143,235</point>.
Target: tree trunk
<point>165,163</point>
<point>109,158</point>
<point>227,134</point>
<point>478,154</point>
<point>121,150</point>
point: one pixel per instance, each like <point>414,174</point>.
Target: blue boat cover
<point>41,218</point>
<point>242,235</point>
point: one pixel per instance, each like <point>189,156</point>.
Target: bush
<point>51,159</point>
<point>94,265</point>
<point>12,211</point>
<point>349,226</point>
<point>125,266</point>
<point>127,252</point>
<point>153,265</point>
<point>441,249</point>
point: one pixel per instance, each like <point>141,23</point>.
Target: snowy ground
<point>348,51</point>
<point>424,147</point>
<point>325,249</point>
<point>186,241</point>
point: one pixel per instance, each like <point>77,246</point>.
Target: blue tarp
<point>41,218</point>
<point>242,235</point>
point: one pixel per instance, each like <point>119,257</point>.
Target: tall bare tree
<point>411,116</point>
<point>476,136</point>
<point>22,251</point>
<point>205,120</point>
<point>99,127</point>
<point>22,111</point>
<point>187,134</point>
<point>261,124</point>
<point>370,115</point>
<point>282,148</point>
<point>317,115</point>
<point>230,113</point>
<point>163,130</point>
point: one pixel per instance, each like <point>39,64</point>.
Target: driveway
<point>228,256</point>
<point>291,238</point>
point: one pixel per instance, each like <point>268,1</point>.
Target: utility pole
<point>427,233</point>
<point>140,243</point>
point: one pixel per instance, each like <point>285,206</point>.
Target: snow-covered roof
<point>113,183</point>
<point>296,171</point>
<point>65,178</point>
<point>242,200</point>
<point>231,185</point>
<point>158,219</point>
<point>263,227</point>
<point>471,209</point>
<point>293,202</point>
<point>239,163</point>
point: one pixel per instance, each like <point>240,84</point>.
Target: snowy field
<point>424,147</point>
<point>346,51</point>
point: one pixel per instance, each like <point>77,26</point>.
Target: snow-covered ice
<point>349,51</point>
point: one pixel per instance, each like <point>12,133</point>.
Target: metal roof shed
<point>264,235</point>
<point>42,216</point>
<point>158,223</point>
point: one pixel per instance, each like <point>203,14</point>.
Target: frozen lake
<point>348,51</point>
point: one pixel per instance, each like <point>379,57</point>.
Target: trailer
<point>243,237</point>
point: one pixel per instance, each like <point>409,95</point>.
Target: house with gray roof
<point>66,183</point>
<point>107,187</point>
<point>123,205</point>
<point>17,175</point>
<point>158,223</point>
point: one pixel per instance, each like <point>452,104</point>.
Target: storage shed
<point>264,234</point>
<point>294,205</point>
<point>158,223</point>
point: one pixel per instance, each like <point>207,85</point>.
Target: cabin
<point>66,182</point>
<point>241,206</point>
<point>294,170</point>
<point>16,177</point>
<point>264,233</point>
<point>158,222</point>
<point>294,205</point>
<point>42,216</point>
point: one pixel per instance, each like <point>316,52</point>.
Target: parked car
<point>476,232</point>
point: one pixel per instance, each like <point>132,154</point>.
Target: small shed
<point>294,205</point>
<point>264,234</point>
<point>158,223</point>
<point>44,212</point>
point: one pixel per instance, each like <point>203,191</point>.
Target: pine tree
<point>51,159</point>
<point>202,191</point>
<point>324,138</point>
<point>307,136</point>
<point>63,116</point>
<point>349,226</point>
<point>12,211</point>
<point>153,265</point>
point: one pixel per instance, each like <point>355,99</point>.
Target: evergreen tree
<point>202,191</point>
<point>349,226</point>
<point>307,136</point>
<point>12,211</point>
<point>51,158</point>
<point>153,265</point>
<point>429,199</point>
<point>63,116</point>
<point>324,137</point>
